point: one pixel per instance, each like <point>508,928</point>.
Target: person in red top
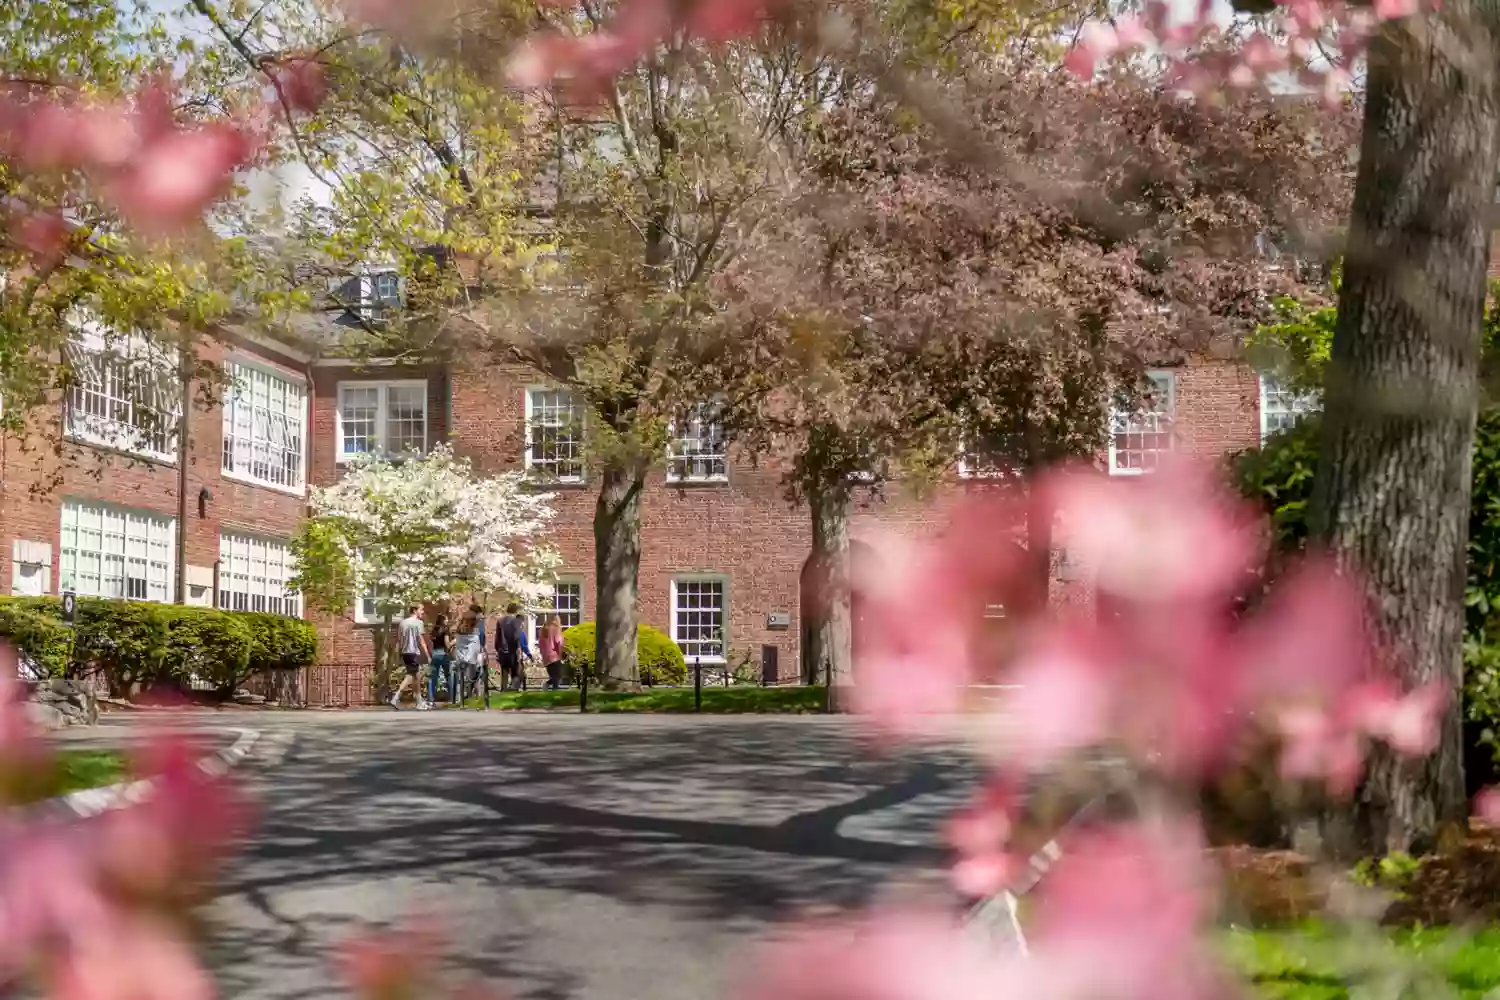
<point>550,646</point>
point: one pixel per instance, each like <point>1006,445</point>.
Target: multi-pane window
<point>1281,407</point>
<point>253,575</point>
<point>264,417</point>
<point>1141,439</point>
<point>698,617</point>
<point>386,288</point>
<point>554,435</point>
<point>109,551</point>
<point>697,451</point>
<point>567,605</point>
<point>383,418</point>
<point>124,393</point>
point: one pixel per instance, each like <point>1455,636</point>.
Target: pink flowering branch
<point>95,909</point>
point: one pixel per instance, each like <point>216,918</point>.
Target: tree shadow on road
<point>722,827</point>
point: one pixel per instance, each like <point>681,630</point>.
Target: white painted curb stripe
<point>93,801</point>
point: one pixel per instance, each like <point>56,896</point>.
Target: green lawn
<point>1313,963</point>
<point>730,700</point>
<point>79,769</point>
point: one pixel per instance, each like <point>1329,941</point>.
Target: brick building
<point>722,550</point>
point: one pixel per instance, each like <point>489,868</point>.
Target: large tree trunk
<point>1392,497</point>
<point>617,563</point>
<point>827,616</point>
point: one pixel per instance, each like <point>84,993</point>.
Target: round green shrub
<point>44,639</point>
<point>661,661</point>
<point>206,644</point>
<point>279,642</point>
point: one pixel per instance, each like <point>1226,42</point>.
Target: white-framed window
<point>699,616</point>
<point>554,435</point>
<point>109,551</point>
<point>976,461</point>
<point>1140,439</point>
<point>253,575</point>
<point>265,416</point>
<point>383,418</point>
<point>385,288</point>
<point>567,605</point>
<point>367,610</point>
<point>125,393</point>
<point>697,452</point>
<point>1281,407</point>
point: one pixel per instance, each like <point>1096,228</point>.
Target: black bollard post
<point>484,674</point>
<point>697,684</point>
<point>583,691</point>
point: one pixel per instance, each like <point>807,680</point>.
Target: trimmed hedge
<point>135,644</point>
<point>661,661</point>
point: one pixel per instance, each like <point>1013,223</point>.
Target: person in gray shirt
<point>414,652</point>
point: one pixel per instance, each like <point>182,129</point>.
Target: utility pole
<point>185,405</point>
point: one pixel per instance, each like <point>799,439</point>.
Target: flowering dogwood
<point>423,529</point>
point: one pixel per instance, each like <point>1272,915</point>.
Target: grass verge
<point>1312,962</point>
<point>724,701</point>
<point>75,770</point>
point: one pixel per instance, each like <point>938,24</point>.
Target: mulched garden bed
<point>1459,885</point>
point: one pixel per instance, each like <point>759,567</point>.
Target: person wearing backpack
<point>511,646</point>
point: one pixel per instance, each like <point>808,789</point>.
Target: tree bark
<point>1393,482</point>
<point>827,615</point>
<point>617,563</point>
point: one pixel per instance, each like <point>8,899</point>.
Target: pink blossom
<point>173,179</point>
<point>1065,699</point>
<point>721,20</point>
<point>1408,723</point>
<point>1309,639</point>
<point>981,835</point>
<point>1261,53</point>
<point>1174,535</point>
<point>1096,43</point>
<point>388,966</point>
<point>43,235</point>
<point>1316,746</point>
<point>1129,903</point>
<point>888,956</point>
<point>132,959</point>
<point>301,81</point>
<point>1487,806</point>
<point>1387,10</point>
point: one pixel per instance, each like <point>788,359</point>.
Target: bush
<point>279,642</point>
<point>661,662</point>
<point>45,640</point>
<point>134,644</point>
<point>205,644</point>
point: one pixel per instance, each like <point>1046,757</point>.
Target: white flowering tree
<point>421,529</point>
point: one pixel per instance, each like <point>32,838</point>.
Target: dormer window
<point>386,288</point>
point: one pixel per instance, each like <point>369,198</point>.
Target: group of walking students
<point>455,653</point>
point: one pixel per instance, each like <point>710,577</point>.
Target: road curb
<point>93,801</point>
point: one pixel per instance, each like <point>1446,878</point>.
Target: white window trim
<point>289,561</point>
<point>1114,415</point>
<point>360,618</point>
<point>169,520</point>
<point>966,471</point>
<point>678,480</point>
<point>536,615</point>
<point>1309,398</point>
<point>382,416</point>
<point>93,337</point>
<point>680,578</point>
<point>241,477</point>
<point>542,471</point>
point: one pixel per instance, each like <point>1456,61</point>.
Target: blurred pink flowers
<point>158,172</point>
<point>1167,669</point>
<point>90,908</point>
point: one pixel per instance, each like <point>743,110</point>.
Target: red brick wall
<point>346,645</point>
<point>37,475</point>
<point>743,529</point>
